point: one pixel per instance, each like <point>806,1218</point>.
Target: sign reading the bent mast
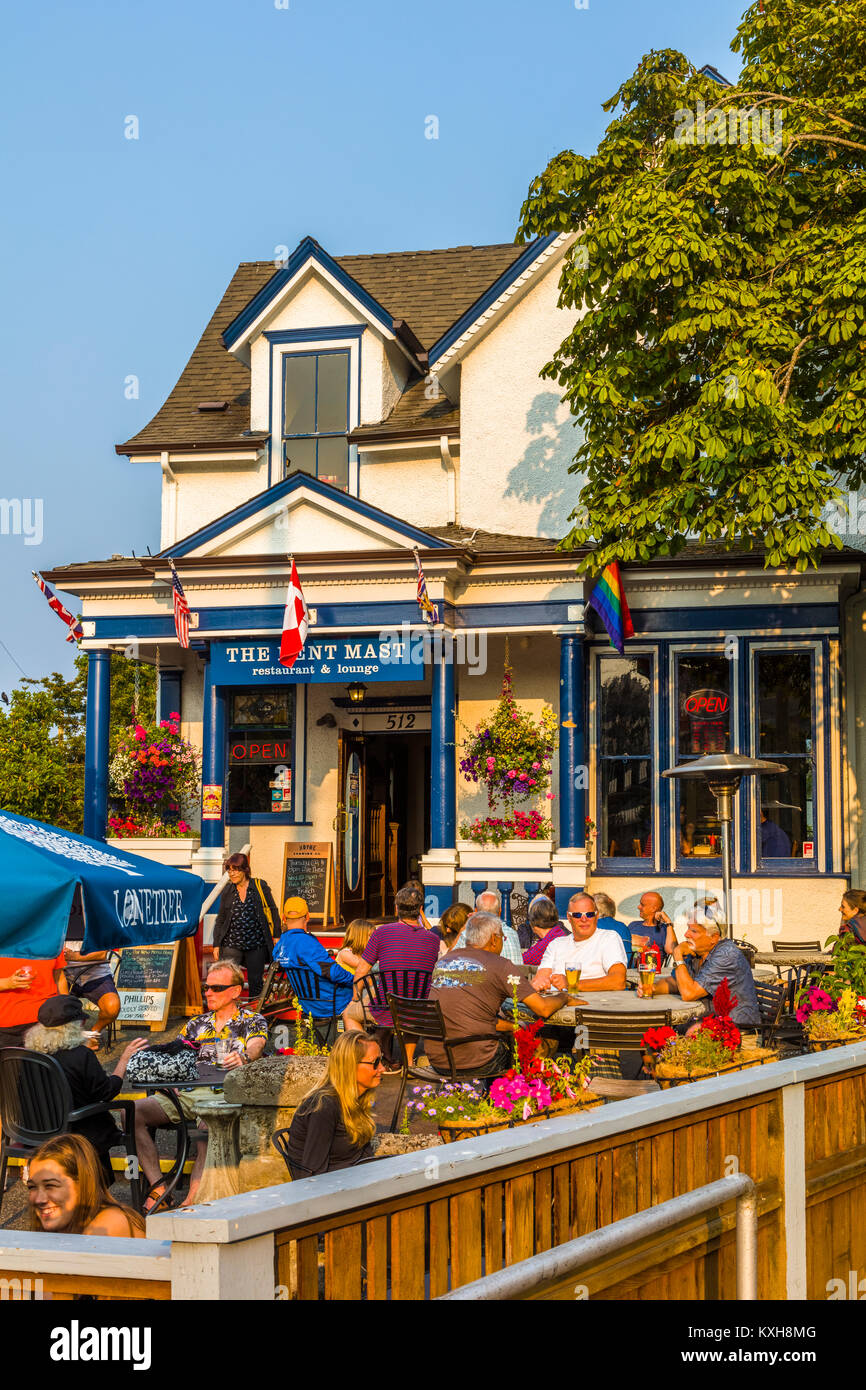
<point>336,659</point>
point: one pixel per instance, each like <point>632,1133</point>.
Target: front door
<point>349,827</point>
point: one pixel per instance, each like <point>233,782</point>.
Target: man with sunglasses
<point>598,954</point>
<point>242,1035</point>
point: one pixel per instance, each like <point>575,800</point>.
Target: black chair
<point>422,1018</point>
<point>598,1031</point>
<point>375,989</point>
<point>310,986</point>
<point>771,1002</point>
<point>788,1029</point>
<point>789,948</point>
<point>36,1105</point>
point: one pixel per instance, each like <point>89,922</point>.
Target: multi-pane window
<point>261,751</point>
<point>316,415</point>
<point>625,764</point>
<point>703,722</point>
<point>786,809</point>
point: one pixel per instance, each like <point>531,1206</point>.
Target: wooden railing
<point>418,1226</point>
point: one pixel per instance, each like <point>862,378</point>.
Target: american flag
<point>76,631</point>
<point>295,621</point>
<point>429,610</point>
<point>181,608</point>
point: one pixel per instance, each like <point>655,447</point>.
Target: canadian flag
<point>294,621</point>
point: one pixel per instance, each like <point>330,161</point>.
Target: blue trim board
<point>481,305</point>
<point>737,620</point>
<point>307,250</point>
<point>284,489</point>
<point>315,335</point>
<point>262,618</point>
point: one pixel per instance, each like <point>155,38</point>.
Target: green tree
<point>719,371</point>
<point>42,736</point>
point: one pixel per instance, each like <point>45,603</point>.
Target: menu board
<point>144,983</point>
<point>308,873</point>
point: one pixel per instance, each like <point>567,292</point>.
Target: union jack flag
<point>181,608</point>
<point>429,610</point>
<point>76,631</point>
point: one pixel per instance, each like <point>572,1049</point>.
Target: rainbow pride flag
<point>609,601</point>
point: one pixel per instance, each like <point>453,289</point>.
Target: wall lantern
<point>357,691</point>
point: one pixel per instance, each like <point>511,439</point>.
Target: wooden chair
<point>36,1105</point>
<point>422,1018</point>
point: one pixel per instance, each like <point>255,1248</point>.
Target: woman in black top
<point>60,1033</point>
<point>333,1126</point>
<point>247,923</point>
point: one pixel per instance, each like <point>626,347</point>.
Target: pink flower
<point>512,773</point>
<point>549,795</point>
<point>491,763</point>
<point>174,714</point>
<point>532,781</point>
<point>536,766</point>
<point>140,733</point>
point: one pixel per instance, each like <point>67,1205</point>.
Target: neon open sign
<point>264,752</point>
<point>707,704</point>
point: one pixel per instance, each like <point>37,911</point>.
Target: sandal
<point>155,1196</point>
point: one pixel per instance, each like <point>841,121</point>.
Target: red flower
<point>654,1039</point>
<point>723,1000</point>
<point>723,1030</point>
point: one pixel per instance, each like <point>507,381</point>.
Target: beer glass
<point>647,978</point>
<point>572,979</point>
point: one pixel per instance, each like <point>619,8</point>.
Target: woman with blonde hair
<point>67,1192</point>
<point>451,924</point>
<point>333,1126</point>
<point>358,933</point>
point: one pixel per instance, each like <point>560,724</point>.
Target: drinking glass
<point>572,978</point>
<point>221,1051</point>
<point>647,980</point>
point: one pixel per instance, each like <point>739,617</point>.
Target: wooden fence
<point>418,1226</point>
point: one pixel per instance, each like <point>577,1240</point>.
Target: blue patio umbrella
<point>128,900</point>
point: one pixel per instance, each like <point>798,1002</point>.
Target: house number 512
<point>400,721</point>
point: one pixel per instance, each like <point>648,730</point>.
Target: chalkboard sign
<point>144,982</point>
<point>308,873</point>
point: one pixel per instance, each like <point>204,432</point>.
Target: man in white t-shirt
<point>599,954</point>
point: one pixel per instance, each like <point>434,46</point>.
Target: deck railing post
<point>243,1270</point>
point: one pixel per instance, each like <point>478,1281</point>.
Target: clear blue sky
<point>257,125</point>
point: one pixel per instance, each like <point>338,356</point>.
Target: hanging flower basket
<point>522,857</point>
<point>511,752</point>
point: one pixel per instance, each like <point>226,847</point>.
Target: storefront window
<point>261,751</point>
<point>703,722</point>
<point>625,757</point>
<point>784,682</point>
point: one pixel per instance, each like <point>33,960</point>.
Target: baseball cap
<point>295,907</point>
<point>60,1009</point>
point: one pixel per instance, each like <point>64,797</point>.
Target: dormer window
<point>316,415</point>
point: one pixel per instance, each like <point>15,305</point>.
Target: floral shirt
<point>241,1028</point>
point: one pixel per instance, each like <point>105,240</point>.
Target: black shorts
<point>93,989</point>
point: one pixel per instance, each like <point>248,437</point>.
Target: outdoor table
<point>781,959</point>
<point>208,1075</point>
<point>625,1001</point>
<point>220,1175</point>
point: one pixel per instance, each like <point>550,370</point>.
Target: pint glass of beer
<point>647,979</point>
<point>572,979</point>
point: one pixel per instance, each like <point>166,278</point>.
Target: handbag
<point>269,916</point>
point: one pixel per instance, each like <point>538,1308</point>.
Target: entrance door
<point>350,827</point>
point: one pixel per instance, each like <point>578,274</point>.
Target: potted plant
<point>830,1022</point>
<point>154,778</point>
<point>715,1046</point>
<point>510,754</point>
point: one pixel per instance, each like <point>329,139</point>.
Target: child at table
<point>358,933</point>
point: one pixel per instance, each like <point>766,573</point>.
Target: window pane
<point>788,811</point>
<point>626,808</point>
<point>704,696</point>
<point>300,456</point>
<point>625,704</point>
<point>700,832</point>
<point>784,703</point>
<point>333,393</point>
<point>334,462</point>
<point>300,397</point>
<point>260,746</point>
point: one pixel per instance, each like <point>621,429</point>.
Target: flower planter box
<point>453,1131</point>
<point>667,1075</point>
<point>175,851</point>
<point>844,1040</point>
<point>511,859</point>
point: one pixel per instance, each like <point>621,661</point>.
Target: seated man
<point>598,954</point>
<point>89,975</point>
<point>545,926</point>
<point>470,984</point>
<point>242,1030</point>
<point>655,925</point>
<point>700,965</point>
<point>297,947</point>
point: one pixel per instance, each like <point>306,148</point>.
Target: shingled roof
<point>428,290</point>
<point>414,414</point>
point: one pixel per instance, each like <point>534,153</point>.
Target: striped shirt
<point>401,946</point>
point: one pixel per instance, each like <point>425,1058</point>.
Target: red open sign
<point>707,704</point>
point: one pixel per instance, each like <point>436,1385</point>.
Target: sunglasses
<point>217,989</point>
<point>374,1061</point>
<point>577,915</point>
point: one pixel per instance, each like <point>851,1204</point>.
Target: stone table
<point>220,1175</point>
<point>266,1092</point>
<point>626,1001</point>
<point>785,959</point>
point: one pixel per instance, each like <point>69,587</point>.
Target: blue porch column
<point>572,754</point>
<point>96,744</point>
<point>213,757</point>
<point>443,759</point>
<point>168,693</point>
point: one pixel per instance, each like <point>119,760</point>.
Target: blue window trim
<point>712,863</point>
<point>631,864</point>
<point>317,434</point>
<point>315,335</point>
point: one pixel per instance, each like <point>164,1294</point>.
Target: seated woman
<point>60,1033</point>
<point>333,1125</point>
<point>852,910</point>
<point>358,933</point>
<point>67,1192</point>
<point>451,924</point>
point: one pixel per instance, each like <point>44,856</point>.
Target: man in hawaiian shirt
<point>243,1035</point>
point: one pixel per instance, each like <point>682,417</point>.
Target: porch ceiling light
<point>357,691</point>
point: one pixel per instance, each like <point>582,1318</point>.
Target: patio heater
<point>723,773</point>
